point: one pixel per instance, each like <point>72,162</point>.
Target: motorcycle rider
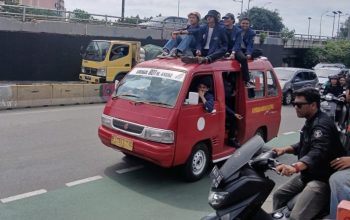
<point>334,87</point>
<point>319,145</point>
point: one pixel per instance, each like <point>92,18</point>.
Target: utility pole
<point>123,9</point>
<point>334,13</point>
<point>339,12</point>
<point>308,29</point>
<point>321,22</point>
<point>240,1</point>
<point>178,8</point>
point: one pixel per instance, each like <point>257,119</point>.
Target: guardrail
<point>26,13</point>
<point>38,95</point>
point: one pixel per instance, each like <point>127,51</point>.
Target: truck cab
<point>150,115</point>
<point>107,61</point>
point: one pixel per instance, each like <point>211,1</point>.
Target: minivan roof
<point>219,65</point>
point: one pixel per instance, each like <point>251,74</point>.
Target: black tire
<point>261,132</point>
<point>197,164</point>
<point>287,98</point>
<point>119,76</point>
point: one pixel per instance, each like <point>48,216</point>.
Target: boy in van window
<point>205,96</point>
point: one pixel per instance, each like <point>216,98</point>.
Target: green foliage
<point>81,15</point>
<point>333,52</point>
<point>264,19</point>
<point>262,37</point>
<point>286,35</point>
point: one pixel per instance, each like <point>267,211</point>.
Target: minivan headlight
<point>101,72</point>
<point>107,121</point>
<point>159,135</point>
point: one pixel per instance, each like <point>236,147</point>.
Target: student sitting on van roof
<point>234,35</point>
<point>185,45</point>
<point>212,42</point>
<point>206,97</point>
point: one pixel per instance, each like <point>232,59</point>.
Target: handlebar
<point>265,161</point>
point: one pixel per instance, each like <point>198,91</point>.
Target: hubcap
<point>288,98</point>
<point>198,162</point>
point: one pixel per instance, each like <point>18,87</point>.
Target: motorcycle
<point>240,187</point>
<point>336,108</point>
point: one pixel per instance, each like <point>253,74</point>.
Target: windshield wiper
<point>159,103</point>
<point>125,95</point>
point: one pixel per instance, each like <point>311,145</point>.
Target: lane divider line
<point>23,196</point>
<point>288,133</point>
<point>130,169</point>
<point>86,180</point>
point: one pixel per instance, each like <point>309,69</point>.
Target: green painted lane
<point>151,193</point>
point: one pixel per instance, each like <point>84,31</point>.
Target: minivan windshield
<point>96,50</point>
<point>284,74</point>
<point>151,86</point>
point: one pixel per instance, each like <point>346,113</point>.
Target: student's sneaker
<point>249,85</point>
<point>173,53</point>
<point>164,54</point>
<point>234,143</point>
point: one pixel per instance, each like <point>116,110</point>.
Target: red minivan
<point>150,115</point>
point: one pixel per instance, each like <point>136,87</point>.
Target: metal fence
<point>27,13</point>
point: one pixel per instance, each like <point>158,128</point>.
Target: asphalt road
<point>49,148</point>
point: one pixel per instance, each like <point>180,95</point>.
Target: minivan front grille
<point>127,126</point>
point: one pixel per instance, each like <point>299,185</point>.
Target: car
<point>155,113</point>
<point>169,22</point>
<point>292,79</point>
<point>329,65</point>
<point>324,73</point>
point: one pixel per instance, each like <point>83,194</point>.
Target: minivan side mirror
<point>297,79</point>
<point>193,98</point>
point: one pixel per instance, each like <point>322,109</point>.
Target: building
<point>49,4</point>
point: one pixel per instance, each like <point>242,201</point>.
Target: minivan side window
<point>271,84</point>
<point>197,79</point>
<point>312,75</point>
<point>259,81</point>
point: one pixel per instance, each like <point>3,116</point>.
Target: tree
<point>344,30</point>
<point>286,35</point>
<point>81,15</point>
<point>29,11</point>
<point>262,38</point>
<point>333,52</point>
<point>264,19</point>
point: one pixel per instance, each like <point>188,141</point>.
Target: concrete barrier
<point>8,97</point>
<point>92,93</point>
<point>65,94</point>
<point>34,95</point>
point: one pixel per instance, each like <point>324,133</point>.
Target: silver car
<point>168,22</point>
<point>292,79</point>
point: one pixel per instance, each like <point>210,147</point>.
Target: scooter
<point>240,187</point>
<point>336,108</point>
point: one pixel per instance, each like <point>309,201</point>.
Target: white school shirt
<point>210,32</point>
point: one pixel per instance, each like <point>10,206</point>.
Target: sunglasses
<point>299,104</point>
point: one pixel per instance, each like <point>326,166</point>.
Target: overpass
<point>47,47</point>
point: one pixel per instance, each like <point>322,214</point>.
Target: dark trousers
<point>241,58</point>
<point>313,197</point>
<point>214,56</point>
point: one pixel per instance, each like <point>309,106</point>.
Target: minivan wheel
<point>261,133</point>
<point>287,98</point>
<point>197,164</point>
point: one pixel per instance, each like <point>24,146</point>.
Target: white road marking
<point>288,133</point>
<point>90,179</point>
<point>52,109</point>
<point>126,170</point>
<point>23,196</point>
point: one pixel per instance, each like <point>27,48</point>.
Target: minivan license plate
<point>122,142</point>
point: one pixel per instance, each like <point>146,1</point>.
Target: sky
<point>294,13</point>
